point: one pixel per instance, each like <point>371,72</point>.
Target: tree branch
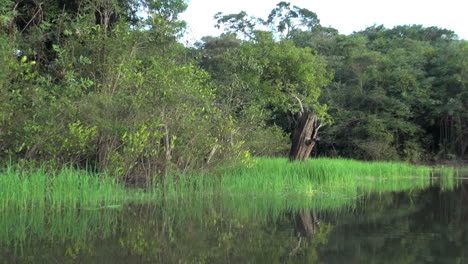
<point>34,16</point>
<point>300,103</point>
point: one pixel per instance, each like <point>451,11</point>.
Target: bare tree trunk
<point>305,136</point>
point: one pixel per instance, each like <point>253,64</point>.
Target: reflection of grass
<point>27,226</point>
<point>393,185</point>
<point>447,178</point>
<point>39,204</point>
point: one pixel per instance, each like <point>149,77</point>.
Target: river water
<point>418,225</point>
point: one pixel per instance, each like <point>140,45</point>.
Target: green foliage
<point>239,24</point>
<point>318,183</point>
<point>260,84</point>
<point>288,72</point>
<point>387,99</point>
<point>286,19</point>
<point>38,189</point>
<point>108,94</point>
<point>92,84</point>
<point>80,139</point>
<point>67,188</point>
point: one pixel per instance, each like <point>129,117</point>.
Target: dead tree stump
<point>305,136</point>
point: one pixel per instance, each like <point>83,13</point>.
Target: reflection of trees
<point>426,226</point>
<point>176,233</point>
<point>307,223</point>
<point>217,236</point>
<point>386,228</point>
<point>309,235</point>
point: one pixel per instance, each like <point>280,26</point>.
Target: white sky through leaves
<point>346,16</point>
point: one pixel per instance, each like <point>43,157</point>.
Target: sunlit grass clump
<point>338,178</point>
<point>66,188</point>
<point>332,176</point>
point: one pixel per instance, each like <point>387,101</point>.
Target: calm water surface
<point>418,225</point>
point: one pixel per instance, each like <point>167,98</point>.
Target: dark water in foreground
<point>418,226</point>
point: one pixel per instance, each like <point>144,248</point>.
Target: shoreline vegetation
<point>120,93</point>
<point>73,205</point>
<point>102,109</point>
<point>262,178</point>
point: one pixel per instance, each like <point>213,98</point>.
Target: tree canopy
<point>92,83</point>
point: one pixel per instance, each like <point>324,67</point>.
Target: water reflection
<point>419,225</point>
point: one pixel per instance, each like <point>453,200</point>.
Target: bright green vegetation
<point>123,96</point>
<point>279,176</point>
<point>324,182</point>
<point>73,207</point>
<point>273,183</point>
<point>62,189</point>
<point>93,86</point>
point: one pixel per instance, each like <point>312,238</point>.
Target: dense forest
<point>97,84</point>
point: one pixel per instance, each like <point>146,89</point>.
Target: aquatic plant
<point>336,179</point>
<point>57,189</point>
<point>339,176</point>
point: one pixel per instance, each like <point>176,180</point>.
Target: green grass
<point>283,178</point>
<point>66,188</point>
<point>72,204</point>
<point>267,180</point>
<point>272,186</point>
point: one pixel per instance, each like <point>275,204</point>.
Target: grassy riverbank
<point>65,188</point>
<point>336,178</point>
<point>280,177</point>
